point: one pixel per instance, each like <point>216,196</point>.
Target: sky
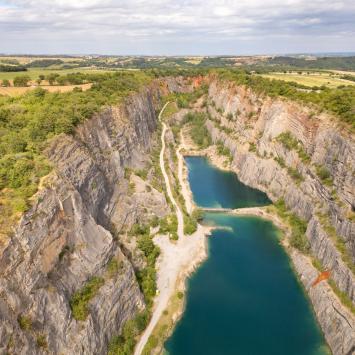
<point>176,27</point>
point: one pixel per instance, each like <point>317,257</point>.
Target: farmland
<point>311,78</point>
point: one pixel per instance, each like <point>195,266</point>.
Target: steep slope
<point>68,248</point>
<point>303,158</point>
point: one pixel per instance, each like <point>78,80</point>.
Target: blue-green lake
<point>245,298</point>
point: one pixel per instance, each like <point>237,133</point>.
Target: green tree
<point>5,83</point>
<point>21,80</point>
<point>52,77</point>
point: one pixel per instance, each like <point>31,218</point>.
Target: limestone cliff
<point>71,234</point>
<point>250,126</point>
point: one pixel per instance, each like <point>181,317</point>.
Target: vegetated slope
<point>306,165</point>
<point>79,268</point>
<point>29,122</point>
<point>340,101</point>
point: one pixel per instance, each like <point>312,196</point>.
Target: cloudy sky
<point>176,27</point>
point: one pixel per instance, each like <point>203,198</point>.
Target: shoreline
<point>301,264</point>
<point>176,305</point>
<point>176,263</point>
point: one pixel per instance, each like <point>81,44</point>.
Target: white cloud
<point>138,26</point>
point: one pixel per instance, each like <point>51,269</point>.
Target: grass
<point>295,175</point>
<point>170,110</point>
<point>16,91</point>
<point>190,225</point>
<point>338,241</point>
<point>252,147</point>
<point>24,322</point>
<point>198,131</point>
<point>344,298</point>
<point>113,268</point>
<point>124,344</point>
<point>311,79</point>
<point>169,226</point>
<point>291,143</point>
<point>33,73</point>
<point>81,298</point>
<point>42,341</point>
<point>298,226</point>
<point>165,325</point>
<point>223,150</point>
<point>324,175</point>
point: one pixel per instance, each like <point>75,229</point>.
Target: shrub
<point>324,174</point>
<point>5,83</point>
<point>295,175</point>
<point>223,150</point>
<point>198,130</point>
<point>230,116</point>
<point>147,276</point>
<point>21,80</point>
<point>142,174</point>
<point>190,225</point>
<point>344,298</point>
<point>298,227</point>
<point>42,341</point>
<point>280,161</point>
<point>291,143</point>
<point>81,298</point>
<point>25,322</point>
<point>124,344</point>
<point>198,214</point>
<point>139,229</point>
<point>113,267</point>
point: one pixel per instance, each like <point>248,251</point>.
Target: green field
<point>331,80</point>
<point>35,72</point>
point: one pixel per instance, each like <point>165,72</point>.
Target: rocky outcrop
<point>69,235</point>
<point>250,125</point>
<point>337,322</point>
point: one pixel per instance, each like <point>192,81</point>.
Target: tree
<point>5,83</point>
<point>21,80</point>
<point>52,77</point>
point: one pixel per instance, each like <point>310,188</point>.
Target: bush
<point>80,299</point>
<point>190,225</point>
<point>24,322</point>
<point>142,174</point>
<point>223,150</point>
<point>169,224</point>
<point>295,175</point>
<point>21,80</point>
<point>252,147</point>
<point>198,214</point>
<point>139,229</point>
<point>291,143</point>
<point>147,276</point>
<point>5,83</point>
<point>124,344</point>
<point>42,341</point>
<point>198,130</point>
<point>298,227</point>
<point>113,267</point>
<point>324,174</point>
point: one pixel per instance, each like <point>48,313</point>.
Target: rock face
<point>250,126</point>
<point>65,239</point>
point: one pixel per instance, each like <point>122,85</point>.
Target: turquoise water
<point>245,299</point>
